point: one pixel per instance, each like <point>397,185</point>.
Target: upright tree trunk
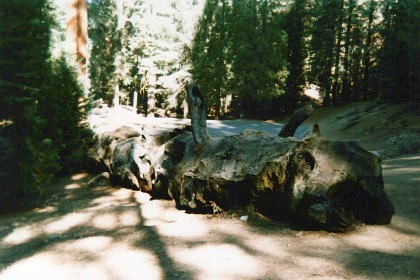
<point>385,35</point>
<point>185,108</point>
<point>76,33</point>
<point>346,83</point>
<point>328,66</point>
<point>334,91</point>
<point>221,62</point>
<point>367,54</point>
<point>218,103</point>
<point>414,64</point>
<point>135,98</point>
<point>326,76</point>
<point>151,88</point>
<point>387,22</point>
<point>116,100</point>
<point>295,40</point>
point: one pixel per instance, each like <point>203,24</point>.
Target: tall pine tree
<point>209,53</point>
<point>295,26</point>
<point>103,23</point>
<point>398,66</point>
<point>324,30</point>
<point>24,64</point>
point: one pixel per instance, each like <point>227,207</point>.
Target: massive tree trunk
<point>314,181</point>
<point>76,33</point>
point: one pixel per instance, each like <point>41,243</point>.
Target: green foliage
<point>103,23</point>
<point>39,99</point>
<point>296,33</point>
<point>255,50</point>
<point>24,54</point>
<point>323,38</point>
<point>239,48</point>
<point>149,39</point>
<point>61,107</point>
<point>41,163</point>
<point>398,68</point>
<point>7,152</point>
<point>358,50</point>
<point>24,29</point>
<point>209,53</point>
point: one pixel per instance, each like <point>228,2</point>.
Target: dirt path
<point>79,232</point>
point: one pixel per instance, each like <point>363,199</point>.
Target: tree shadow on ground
<point>401,177</point>
<point>152,241</point>
<point>384,265</point>
<point>122,234</point>
<point>70,213</point>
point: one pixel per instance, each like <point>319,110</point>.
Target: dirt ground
<point>75,231</point>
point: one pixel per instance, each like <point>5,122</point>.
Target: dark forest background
<point>250,58</point>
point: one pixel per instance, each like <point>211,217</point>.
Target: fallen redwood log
<point>314,181</point>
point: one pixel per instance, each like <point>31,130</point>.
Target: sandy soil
<point>79,232</point>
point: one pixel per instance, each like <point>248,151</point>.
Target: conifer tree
<point>62,109</point>
<point>366,84</point>
<point>398,79</point>
<point>103,23</point>
<point>295,26</point>
<point>209,53</point>
<point>256,57</point>
<point>24,64</point>
<point>324,29</point>
<point>335,90</point>
<point>39,99</point>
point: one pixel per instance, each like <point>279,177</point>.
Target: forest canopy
<point>254,57</point>
<point>250,58</point>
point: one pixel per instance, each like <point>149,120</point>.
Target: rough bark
<point>197,110</point>
<point>76,33</point>
<point>314,181</point>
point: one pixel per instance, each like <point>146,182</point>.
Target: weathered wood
<point>317,182</point>
<point>298,117</point>
<point>197,110</point>
<point>76,33</point>
<point>321,183</point>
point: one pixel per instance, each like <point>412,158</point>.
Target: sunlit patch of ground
<point>110,233</point>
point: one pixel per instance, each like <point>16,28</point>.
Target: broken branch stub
<point>298,117</point>
<point>198,116</point>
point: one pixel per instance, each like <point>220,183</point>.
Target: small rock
<point>244,218</point>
